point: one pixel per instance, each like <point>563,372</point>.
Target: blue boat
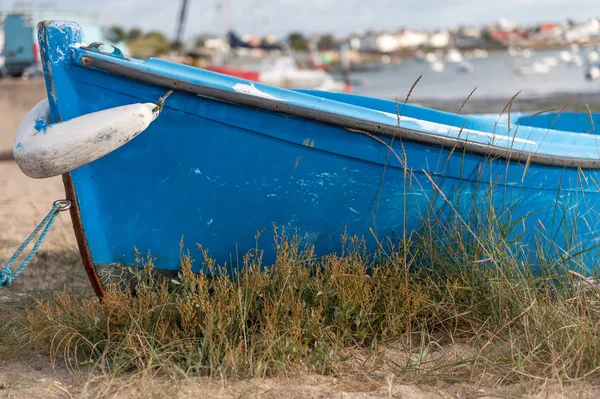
<point>221,159</point>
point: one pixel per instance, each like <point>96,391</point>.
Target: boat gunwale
<point>352,124</point>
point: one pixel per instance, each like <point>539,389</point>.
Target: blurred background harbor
<point>547,62</point>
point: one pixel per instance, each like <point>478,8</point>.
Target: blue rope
<point>6,275</point>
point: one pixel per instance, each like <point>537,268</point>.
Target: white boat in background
<point>437,66</point>
<point>541,67</point>
<point>593,72</point>
<point>431,57</point>
<point>538,67</point>
<point>454,56</point>
<point>593,56</point>
<point>576,61</point>
<point>565,56</point>
<point>550,61</point>
<point>528,53</point>
<point>525,53</point>
<point>283,71</point>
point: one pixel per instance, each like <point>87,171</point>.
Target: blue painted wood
<point>580,122</point>
<point>215,173</point>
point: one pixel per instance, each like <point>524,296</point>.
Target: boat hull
<point>212,172</point>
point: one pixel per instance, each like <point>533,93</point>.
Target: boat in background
<point>437,66</point>
<point>276,67</point>
<point>235,42</point>
<point>283,71</point>
<point>223,158</point>
<point>592,72</point>
<point>454,56</point>
<point>593,57</point>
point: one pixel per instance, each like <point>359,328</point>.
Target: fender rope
<point>6,275</point>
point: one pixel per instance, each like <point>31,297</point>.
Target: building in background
<point>469,37</point>
<point>583,32</point>
<point>20,35</point>
<point>440,39</point>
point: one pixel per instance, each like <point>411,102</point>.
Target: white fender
<point>45,150</point>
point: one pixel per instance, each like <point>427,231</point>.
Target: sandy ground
<point>36,378</point>
<point>24,202</point>
<point>16,98</point>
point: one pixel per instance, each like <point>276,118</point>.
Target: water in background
<point>494,77</point>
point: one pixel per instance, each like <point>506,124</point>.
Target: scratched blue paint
<point>40,125</point>
<point>216,173</point>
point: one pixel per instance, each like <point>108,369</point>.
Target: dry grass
<point>296,313</point>
<point>433,313</point>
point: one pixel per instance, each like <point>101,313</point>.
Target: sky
<point>280,17</point>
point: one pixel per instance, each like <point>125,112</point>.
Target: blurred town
<point>320,61</point>
<point>394,46</point>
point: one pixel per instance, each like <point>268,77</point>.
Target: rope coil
<point>7,276</point>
